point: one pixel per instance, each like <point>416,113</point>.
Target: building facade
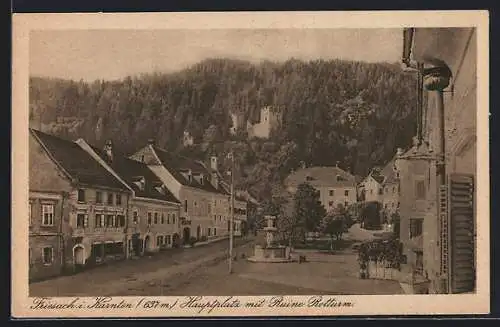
<point>372,188</point>
<point>77,208</point>
<point>153,222</point>
<point>204,202</point>
<point>445,152</point>
<point>390,190</point>
<point>336,186</point>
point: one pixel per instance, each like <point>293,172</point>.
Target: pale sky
<point>114,54</point>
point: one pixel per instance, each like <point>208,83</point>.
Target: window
<point>209,231</point>
<point>215,218</point>
<point>331,192</point>
<point>81,195</point>
<point>380,191</point>
<point>30,213</point>
<point>47,214</point>
<point>119,199</point>
<point>371,191</point>
<point>185,205</point>
<point>156,218</point>
<point>346,204</point>
<point>81,220</point>
<point>159,240</point>
<point>149,218</point>
<point>173,218</point>
<point>47,255</point>
<point>110,198</point>
<point>120,221</point>
<point>109,220</point>
<point>416,226</point>
<point>135,217</point>
<point>98,197</point>
<point>346,193</point>
<point>330,204</point>
<point>162,218</point>
<point>420,190</point>
<point>215,231</point>
<point>385,206</point>
<point>99,220</point>
<point>394,189</point>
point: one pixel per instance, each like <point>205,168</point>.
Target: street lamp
<point>231,217</point>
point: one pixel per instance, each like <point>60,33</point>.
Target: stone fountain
<point>270,251</point>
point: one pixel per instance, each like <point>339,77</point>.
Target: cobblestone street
<point>322,274</point>
<point>131,277</point>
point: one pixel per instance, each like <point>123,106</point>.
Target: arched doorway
<point>79,256</point>
<point>148,244</point>
<point>176,240</point>
<point>198,232</point>
<point>186,234</point>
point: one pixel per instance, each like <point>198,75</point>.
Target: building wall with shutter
<point>457,48</point>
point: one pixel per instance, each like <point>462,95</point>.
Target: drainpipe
<point>127,254</point>
<point>436,79</point>
<point>61,234</point>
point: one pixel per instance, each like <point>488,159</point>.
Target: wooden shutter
<point>462,233</point>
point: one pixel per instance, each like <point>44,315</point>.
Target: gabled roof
<point>176,163</point>
<point>390,176</point>
<point>321,176</point>
<point>76,162</point>
<point>131,171</point>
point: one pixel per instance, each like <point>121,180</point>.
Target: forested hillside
<point>333,111</point>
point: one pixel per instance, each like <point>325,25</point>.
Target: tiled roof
<point>131,170</point>
<point>379,178</point>
<point>321,176</point>
<point>176,163</point>
<point>77,162</point>
<point>389,173</point>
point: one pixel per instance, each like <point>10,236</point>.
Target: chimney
<point>108,150</point>
<point>213,163</point>
<point>151,141</point>
<point>399,152</point>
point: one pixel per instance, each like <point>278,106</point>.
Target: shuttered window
<point>462,238</point>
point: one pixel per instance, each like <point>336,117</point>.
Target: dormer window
<point>339,178</point>
<point>140,181</point>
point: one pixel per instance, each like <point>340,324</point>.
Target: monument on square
<point>270,251</point>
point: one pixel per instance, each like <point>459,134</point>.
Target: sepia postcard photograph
<point>250,164</point>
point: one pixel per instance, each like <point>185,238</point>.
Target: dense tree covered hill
<point>333,111</point>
